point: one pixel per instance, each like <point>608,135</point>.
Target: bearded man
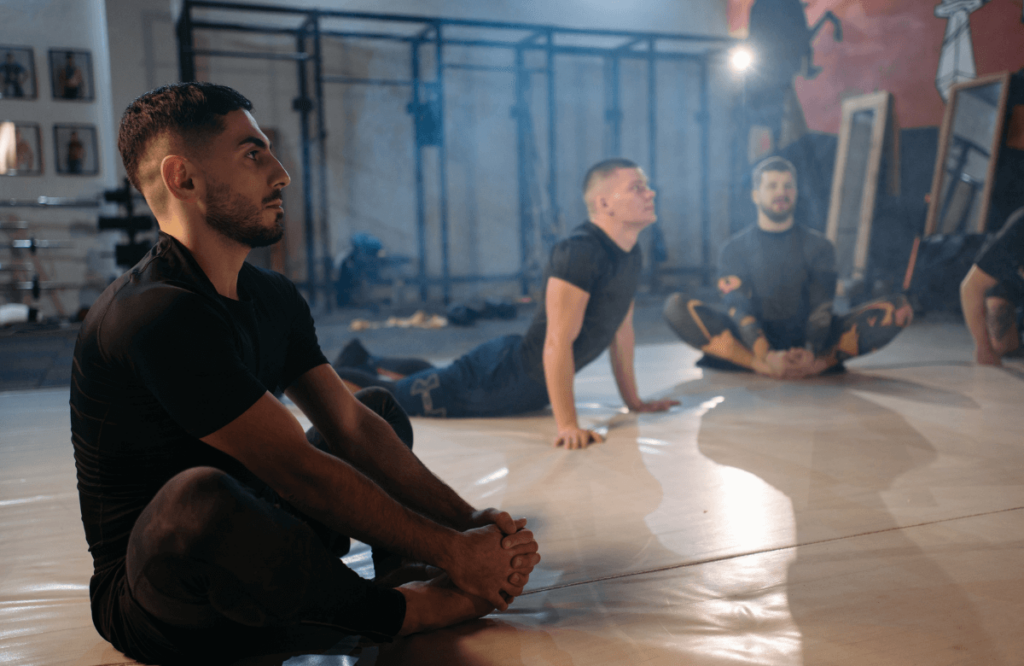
<point>215,523</point>
<point>777,281</point>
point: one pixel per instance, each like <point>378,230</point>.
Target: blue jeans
<point>490,380</point>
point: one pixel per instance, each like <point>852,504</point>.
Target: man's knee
<point>190,508</point>
<point>681,316</point>
<point>383,403</point>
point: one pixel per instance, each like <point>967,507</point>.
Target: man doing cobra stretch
<point>587,307</point>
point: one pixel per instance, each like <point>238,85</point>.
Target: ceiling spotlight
<point>741,58</point>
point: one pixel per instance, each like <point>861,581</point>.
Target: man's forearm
<point>359,436</point>
<point>374,449</point>
<point>621,356</point>
<point>559,373</point>
<point>340,496</point>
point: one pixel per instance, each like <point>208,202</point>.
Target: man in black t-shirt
<point>587,307</point>
<point>992,294</point>
<point>777,281</point>
<point>214,522</point>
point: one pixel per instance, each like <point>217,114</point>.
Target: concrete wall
<point>370,134</point>
<point>44,25</point>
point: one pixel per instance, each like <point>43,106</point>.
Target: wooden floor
<point>875,517</point>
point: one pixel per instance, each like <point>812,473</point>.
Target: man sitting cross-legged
<point>216,524</point>
<point>587,307</point>
<point>777,281</point>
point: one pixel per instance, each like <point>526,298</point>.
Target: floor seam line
<point>724,558</point>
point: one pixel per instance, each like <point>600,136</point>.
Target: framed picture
<point>868,133</point>
<point>20,149</point>
<point>76,150</point>
<point>71,74</point>
<point>18,72</point>
<point>965,167</point>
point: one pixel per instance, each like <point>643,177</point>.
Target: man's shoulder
<point>154,293</point>
<point>740,238</point>
<point>813,240</point>
<point>581,242</point>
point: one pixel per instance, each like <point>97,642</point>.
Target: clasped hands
<point>493,559</point>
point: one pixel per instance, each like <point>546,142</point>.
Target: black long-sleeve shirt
<point>780,285</point>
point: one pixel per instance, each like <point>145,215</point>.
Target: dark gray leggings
<point>217,565</point>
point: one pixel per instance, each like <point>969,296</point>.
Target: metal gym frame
<point>428,110</point>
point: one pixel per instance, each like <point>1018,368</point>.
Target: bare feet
<point>437,603</point>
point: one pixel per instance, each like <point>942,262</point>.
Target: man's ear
<point>178,175</point>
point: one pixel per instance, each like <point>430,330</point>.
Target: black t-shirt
<point>1002,257</point>
<point>161,360</point>
<point>772,281</point>
<point>590,260</point>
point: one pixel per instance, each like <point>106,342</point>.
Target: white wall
<point>44,25</point>
<point>370,171</point>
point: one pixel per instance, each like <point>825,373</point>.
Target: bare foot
<point>437,603</point>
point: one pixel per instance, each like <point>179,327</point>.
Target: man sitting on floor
<point>587,307</point>
<point>216,524</point>
<point>992,294</point>
<point>777,281</point>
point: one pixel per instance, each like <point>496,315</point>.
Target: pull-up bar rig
<point>428,110</point>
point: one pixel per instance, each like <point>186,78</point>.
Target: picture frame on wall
<point>76,148</point>
<point>17,72</point>
<point>71,75</point>
<point>20,149</point>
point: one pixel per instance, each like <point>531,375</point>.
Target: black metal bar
<point>305,107</point>
<point>421,212</point>
<point>481,68</point>
<point>519,112</point>
<point>470,23</point>
<point>613,112</point>
<point>371,82</point>
<point>530,39</point>
<point>442,158</point>
<point>255,55</point>
<point>238,27</point>
<point>556,212</point>
<point>50,202</point>
<point>633,42</point>
<point>321,131</point>
<point>705,191</point>
<point>186,59</point>
<point>657,237</point>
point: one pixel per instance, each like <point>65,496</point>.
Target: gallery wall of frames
<point>64,75</point>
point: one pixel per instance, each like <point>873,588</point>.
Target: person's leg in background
<point>709,329</point>
<point>868,328</point>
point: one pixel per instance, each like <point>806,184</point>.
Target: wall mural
<point>916,49</point>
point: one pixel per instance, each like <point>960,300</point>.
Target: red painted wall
<point>893,45</point>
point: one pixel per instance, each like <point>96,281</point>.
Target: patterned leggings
<point>709,328</point>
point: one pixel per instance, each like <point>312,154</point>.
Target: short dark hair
<point>194,111</point>
<point>771,164</point>
<point>605,167</point>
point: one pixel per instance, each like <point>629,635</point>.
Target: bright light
<point>741,58</point>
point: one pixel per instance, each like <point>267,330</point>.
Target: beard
<point>233,216</point>
<point>777,216</point>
